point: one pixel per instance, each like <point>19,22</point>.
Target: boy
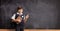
<point>19,19</point>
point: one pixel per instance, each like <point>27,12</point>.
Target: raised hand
<point>27,16</point>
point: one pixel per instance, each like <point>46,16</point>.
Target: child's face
<point>20,10</point>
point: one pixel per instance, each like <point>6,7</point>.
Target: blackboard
<point>43,13</point>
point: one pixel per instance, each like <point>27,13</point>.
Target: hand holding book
<point>18,19</point>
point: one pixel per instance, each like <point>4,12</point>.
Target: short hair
<point>20,7</point>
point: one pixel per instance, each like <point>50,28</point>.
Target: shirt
<point>14,15</point>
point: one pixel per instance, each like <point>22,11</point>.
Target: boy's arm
<point>26,17</point>
<point>13,18</point>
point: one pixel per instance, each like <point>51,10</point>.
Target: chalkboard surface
<point>43,13</point>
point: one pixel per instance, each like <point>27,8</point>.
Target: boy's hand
<point>18,19</point>
<point>27,16</point>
